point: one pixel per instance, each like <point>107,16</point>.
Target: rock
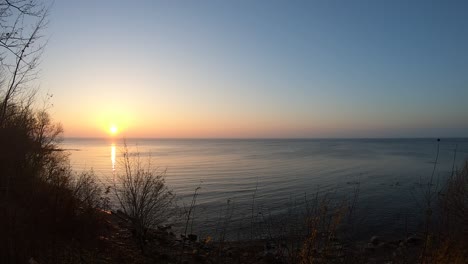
<point>382,245</point>
<point>413,240</point>
<point>269,258</point>
<point>32,261</point>
<point>369,247</point>
<point>338,247</point>
<point>392,245</point>
<point>164,228</point>
<point>399,252</point>
<point>200,258</point>
<point>375,240</point>
<point>192,237</point>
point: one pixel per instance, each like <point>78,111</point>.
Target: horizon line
<point>259,138</point>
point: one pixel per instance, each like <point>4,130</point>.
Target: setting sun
<point>113,130</point>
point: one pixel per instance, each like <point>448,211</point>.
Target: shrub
<point>142,195</point>
<point>89,192</point>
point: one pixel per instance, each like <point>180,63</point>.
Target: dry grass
<point>448,241</point>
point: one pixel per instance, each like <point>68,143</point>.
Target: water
<point>284,172</point>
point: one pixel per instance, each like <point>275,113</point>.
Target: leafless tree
<point>142,194</point>
<point>24,131</point>
<point>21,45</point>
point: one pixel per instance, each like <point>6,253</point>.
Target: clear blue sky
<point>259,68</point>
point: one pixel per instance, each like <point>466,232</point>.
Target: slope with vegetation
<point>45,208</point>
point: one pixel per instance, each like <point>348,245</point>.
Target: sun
<point>113,130</point>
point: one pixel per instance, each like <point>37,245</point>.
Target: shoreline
<point>165,246</point>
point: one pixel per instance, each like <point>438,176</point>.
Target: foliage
<point>45,208</point>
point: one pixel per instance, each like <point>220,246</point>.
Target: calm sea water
<point>285,172</point>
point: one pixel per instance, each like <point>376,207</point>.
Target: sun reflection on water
<point>113,156</point>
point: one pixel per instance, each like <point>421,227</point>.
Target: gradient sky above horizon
<point>240,69</point>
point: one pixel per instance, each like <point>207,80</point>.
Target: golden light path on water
<point>113,156</point>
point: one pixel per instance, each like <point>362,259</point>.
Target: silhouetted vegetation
<point>142,195</point>
<point>447,239</point>
<point>45,208</point>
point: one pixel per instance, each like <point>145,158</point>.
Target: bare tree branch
<point>22,48</point>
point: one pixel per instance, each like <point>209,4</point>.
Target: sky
<point>258,69</point>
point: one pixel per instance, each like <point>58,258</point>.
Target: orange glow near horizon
<point>110,121</point>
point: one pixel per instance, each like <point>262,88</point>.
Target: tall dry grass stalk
<point>448,242</point>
